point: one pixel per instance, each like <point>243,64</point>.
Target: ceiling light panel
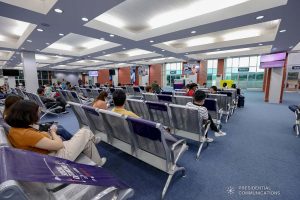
<point>132,54</point>
<point>50,59</point>
<point>256,33</point>
<point>256,50</point>
<point>66,67</point>
<point>78,45</point>
<point>131,20</point>
<point>88,62</point>
<point>39,6</point>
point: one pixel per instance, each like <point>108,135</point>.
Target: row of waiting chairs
<point>25,190</point>
<point>143,139</point>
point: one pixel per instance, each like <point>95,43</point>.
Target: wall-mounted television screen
<point>190,69</point>
<point>93,73</point>
<point>10,72</point>
<point>273,57</point>
<point>275,60</point>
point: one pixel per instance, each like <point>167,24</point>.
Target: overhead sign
<point>173,72</point>
<point>295,67</point>
<point>243,69</point>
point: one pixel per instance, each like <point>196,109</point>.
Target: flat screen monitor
<point>93,73</point>
<point>273,57</point>
<point>10,72</point>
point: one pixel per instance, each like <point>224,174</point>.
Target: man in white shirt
<point>198,101</point>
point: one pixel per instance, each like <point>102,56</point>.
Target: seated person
<point>12,99</point>
<point>155,87</point>
<point>149,89</point>
<point>192,88</point>
<point>52,102</point>
<point>213,89</point>
<point>25,113</point>
<point>100,101</point>
<point>198,101</point>
<point>119,98</point>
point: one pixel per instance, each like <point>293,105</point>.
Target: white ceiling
<point>40,6</point>
<point>121,33</point>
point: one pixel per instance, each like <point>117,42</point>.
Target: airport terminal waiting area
<point>257,159</point>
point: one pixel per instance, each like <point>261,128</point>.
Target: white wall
<point>72,77</point>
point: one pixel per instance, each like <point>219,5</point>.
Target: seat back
<point>212,107</point>
<point>178,93</point>
<point>64,95</point>
<point>73,96</point>
<point>182,100</point>
<point>138,107</point>
<point>221,99</point>
<point>167,92</point>
<point>12,190</point>
<point>150,97</point>
<point>186,118</point>
<point>3,137</point>
<point>159,112</point>
<point>77,88</point>
<point>116,126</point>
<point>80,114</point>
<point>20,93</point>
<point>37,100</point>
<point>137,91</point>
<point>84,92</point>
<point>96,122</point>
<point>95,93</point>
<point>165,98</point>
<point>129,90</point>
<point>149,137</point>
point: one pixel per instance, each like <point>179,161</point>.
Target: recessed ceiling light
<point>89,56</point>
<point>151,41</point>
<point>40,30</point>
<point>124,48</point>
<point>102,38</point>
<point>61,34</point>
<point>22,48</point>
<point>111,35</point>
<point>218,49</point>
<point>84,19</point>
<point>291,47</point>
<point>274,48</point>
<point>236,35</point>
<point>58,10</point>
<point>37,49</point>
<point>260,44</point>
<point>260,17</point>
<point>47,43</point>
<point>282,31</point>
<point>162,50</point>
<point>186,53</point>
<point>103,52</point>
<point>29,40</point>
<point>193,32</point>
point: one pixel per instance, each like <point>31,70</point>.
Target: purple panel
<point>48,169</point>
<point>210,104</point>
<point>273,57</point>
<point>157,106</point>
<point>272,64</point>
<point>145,128</point>
<point>164,97</point>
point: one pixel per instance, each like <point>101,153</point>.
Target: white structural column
<point>30,72</point>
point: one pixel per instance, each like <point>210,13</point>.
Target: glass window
<point>235,62</point>
<point>235,70</point>
<point>251,77</point>
<point>252,69</point>
<point>260,70</point>
<point>244,62</point>
<point>229,62</point>
<point>259,76</point>
<point>253,61</point>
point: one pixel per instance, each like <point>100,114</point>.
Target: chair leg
<point>199,150</point>
<point>170,178</point>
